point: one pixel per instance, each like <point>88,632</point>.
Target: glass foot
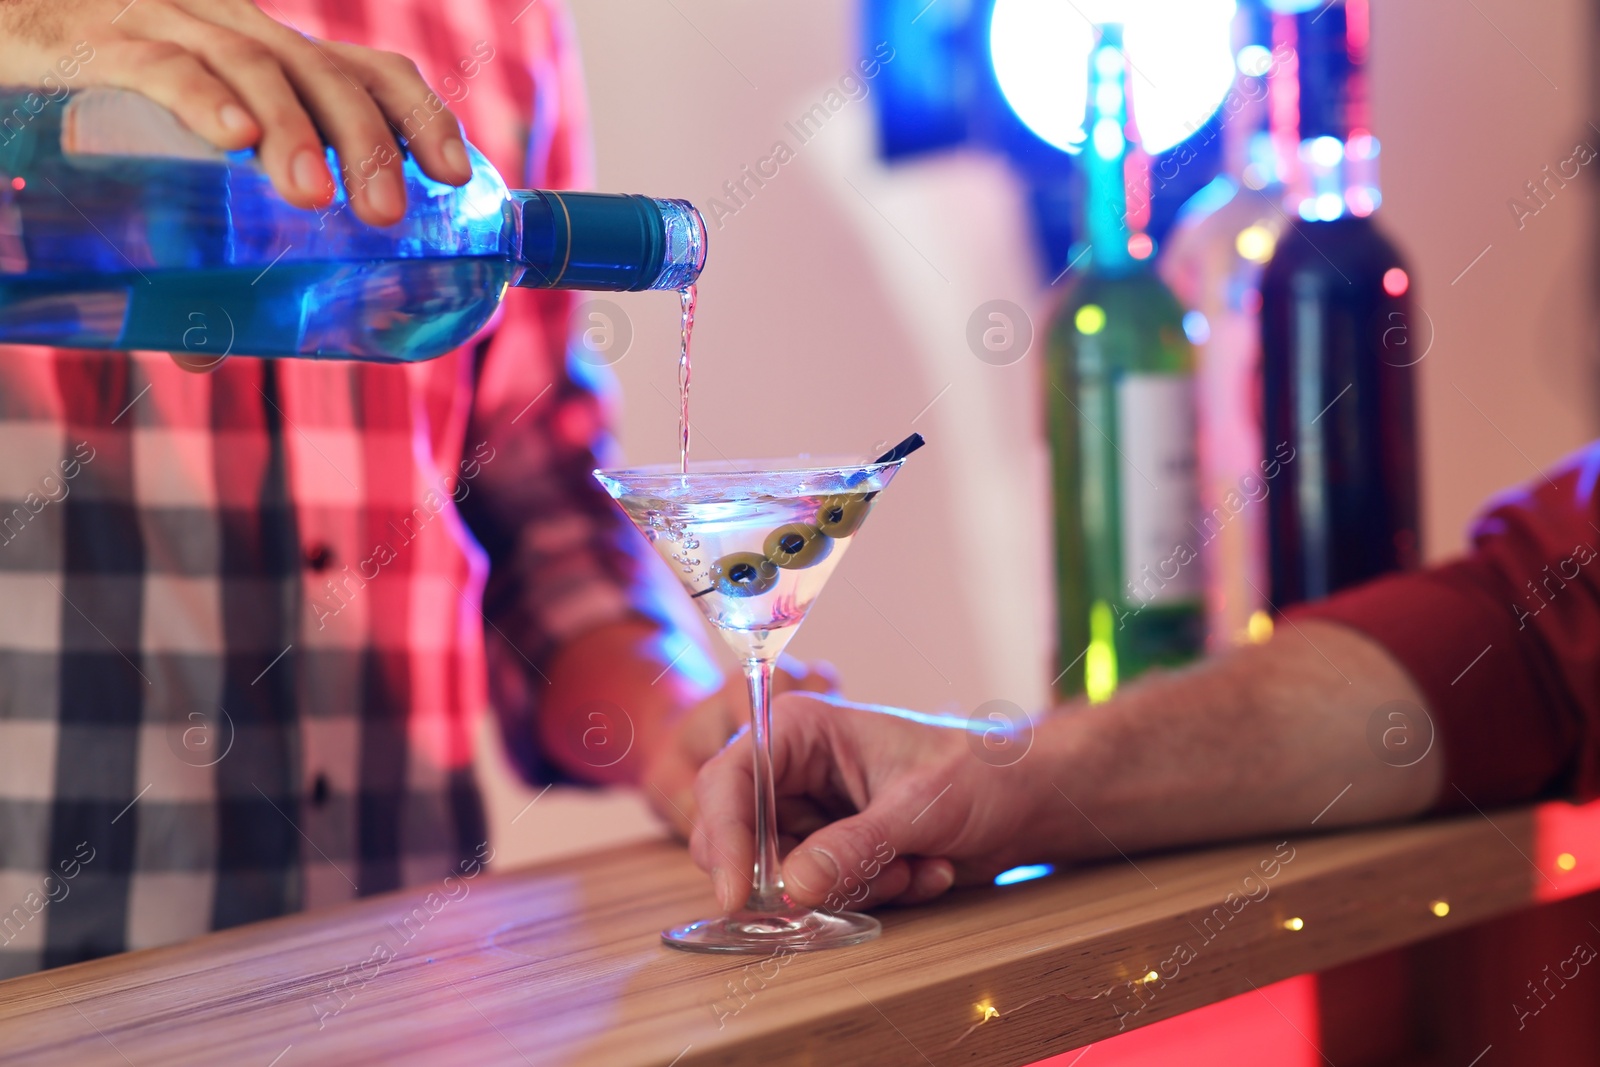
<point>766,932</point>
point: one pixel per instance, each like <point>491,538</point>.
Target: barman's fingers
<point>175,78</point>
<point>286,140</point>
<point>431,131</point>
<point>344,111</point>
<point>240,78</point>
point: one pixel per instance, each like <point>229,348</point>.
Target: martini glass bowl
<point>753,543</point>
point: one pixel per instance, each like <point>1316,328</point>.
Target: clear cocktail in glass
<point>754,542</point>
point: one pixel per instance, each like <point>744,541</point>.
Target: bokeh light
<point>1255,243</point>
<point>1023,874</point>
<point>1090,319</point>
<point>1180,60</point>
<point>1254,60</point>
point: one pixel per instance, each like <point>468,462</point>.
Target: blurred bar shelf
<point>561,963</point>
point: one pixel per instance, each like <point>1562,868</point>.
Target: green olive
<point>841,516</point>
<point>743,574</point>
<point>796,545</point>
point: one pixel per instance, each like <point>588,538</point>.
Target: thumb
<point>836,865</point>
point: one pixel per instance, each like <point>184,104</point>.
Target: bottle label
<point>1160,487</point>
<point>120,122</point>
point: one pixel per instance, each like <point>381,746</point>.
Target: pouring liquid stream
<point>687,299</point>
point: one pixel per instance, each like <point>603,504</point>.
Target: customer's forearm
<point>1309,731</point>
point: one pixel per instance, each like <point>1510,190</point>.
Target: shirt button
<point>319,790</point>
<point>318,556</point>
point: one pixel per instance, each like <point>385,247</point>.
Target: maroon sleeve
<point>1505,643</point>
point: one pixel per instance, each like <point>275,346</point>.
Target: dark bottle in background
<point>1339,342</point>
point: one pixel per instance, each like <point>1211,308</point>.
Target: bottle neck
<point>1106,158</point>
<point>603,241</point>
<point>1332,157</point>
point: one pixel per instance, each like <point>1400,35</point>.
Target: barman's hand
<point>239,78</point>
<point>1261,740</point>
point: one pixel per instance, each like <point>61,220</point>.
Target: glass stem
<point>766,889</point>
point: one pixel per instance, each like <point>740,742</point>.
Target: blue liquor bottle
<point>121,229</point>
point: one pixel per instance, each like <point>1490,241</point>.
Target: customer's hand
<point>887,808</point>
<point>1263,739</point>
<point>630,703</point>
<point>701,732</point>
<point>239,78</point>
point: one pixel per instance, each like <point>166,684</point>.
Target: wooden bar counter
<point>561,963</point>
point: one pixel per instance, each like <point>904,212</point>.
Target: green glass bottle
<point>1121,416</point>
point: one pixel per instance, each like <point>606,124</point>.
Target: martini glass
<point>754,543</point>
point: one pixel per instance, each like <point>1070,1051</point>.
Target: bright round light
<point>1395,281</point>
<point>1090,319</point>
<point>1259,628</point>
<point>1254,60</point>
<point>1108,139</point>
<point>1329,206</point>
<point>1040,51</point>
<point>1255,243</point>
<point>1196,328</point>
<point>1324,151</point>
<point>1180,58</point>
<point>1140,246</point>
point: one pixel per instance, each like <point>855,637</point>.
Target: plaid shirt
<point>243,651</point>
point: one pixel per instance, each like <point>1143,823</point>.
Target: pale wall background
<point>835,304</point>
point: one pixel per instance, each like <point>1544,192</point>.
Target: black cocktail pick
<point>902,450</point>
